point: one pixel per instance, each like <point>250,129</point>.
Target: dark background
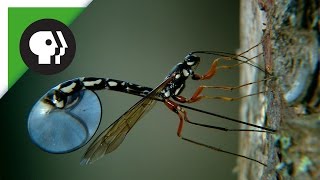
<point>138,42</point>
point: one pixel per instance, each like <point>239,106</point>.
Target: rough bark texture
<point>289,34</point>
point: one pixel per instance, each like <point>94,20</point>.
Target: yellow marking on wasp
<point>167,93</point>
<point>190,63</point>
<point>112,83</point>
<point>178,90</point>
<point>92,83</point>
<point>69,88</point>
<point>185,72</point>
<point>57,103</point>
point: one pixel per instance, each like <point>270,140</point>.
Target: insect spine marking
<point>145,92</point>
<point>57,103</point>
<point>178,90</point>
<point>112,83</point>
<point>69,88</point>
<point>185,72</point>
<point>167,93</point>
<point>92,83</point>
<point>190,63</point>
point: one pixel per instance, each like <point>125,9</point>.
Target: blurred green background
<point>136,41</point>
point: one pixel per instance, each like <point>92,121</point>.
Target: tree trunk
<point>289,34</point>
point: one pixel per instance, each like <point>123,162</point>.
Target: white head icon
<point>43,44</point>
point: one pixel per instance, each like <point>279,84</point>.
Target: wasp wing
<point>113,136</point>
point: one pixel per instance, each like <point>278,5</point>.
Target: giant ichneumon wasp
<point>62,121</point>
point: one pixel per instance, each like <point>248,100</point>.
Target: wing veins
<point>109,139</point>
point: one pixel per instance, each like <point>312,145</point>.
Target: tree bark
<point>288,31</point>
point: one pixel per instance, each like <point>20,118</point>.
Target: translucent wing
<point>113,136</point>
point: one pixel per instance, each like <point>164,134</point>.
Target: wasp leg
<point>221,150</point>
<point>197,94</point>
<point>197,97</point>
<point>214,67</point>
<point>183,117</point>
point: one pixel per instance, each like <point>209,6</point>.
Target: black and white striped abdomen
<point>58,96</point>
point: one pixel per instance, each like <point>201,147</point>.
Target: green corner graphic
<point>18,20</point>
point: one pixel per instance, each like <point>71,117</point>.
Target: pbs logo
<point>47,46</point>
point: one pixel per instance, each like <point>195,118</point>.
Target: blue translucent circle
<point>64,130</point>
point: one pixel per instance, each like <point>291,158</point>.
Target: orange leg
<point>178,110</point>
<point>209,74</point>
<point>197,94</point>
<point>183,117</point>
<point>214,67</point>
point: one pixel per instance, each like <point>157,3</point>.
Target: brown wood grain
<point>289,34</point>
